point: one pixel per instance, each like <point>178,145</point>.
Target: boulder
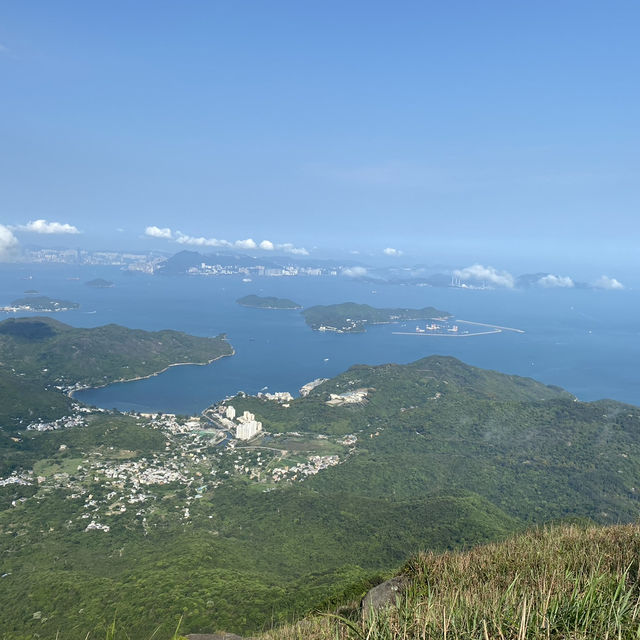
<point>215,636</point>
<point>384,595</point>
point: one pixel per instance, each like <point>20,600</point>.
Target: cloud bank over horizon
<point>166,233</point>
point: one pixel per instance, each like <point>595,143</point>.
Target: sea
<point>586,341</point>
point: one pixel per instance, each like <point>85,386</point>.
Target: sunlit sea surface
<point>583,340</point>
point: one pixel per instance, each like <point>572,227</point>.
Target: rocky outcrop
<point>384,595</point>
<point>215,636</point>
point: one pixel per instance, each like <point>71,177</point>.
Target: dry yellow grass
<point>560,582</point>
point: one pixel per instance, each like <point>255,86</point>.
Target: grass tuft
<point>559,582</point>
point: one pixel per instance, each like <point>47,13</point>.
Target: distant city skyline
<point>465,132</point>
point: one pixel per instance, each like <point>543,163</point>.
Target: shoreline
<point>372,324</point>
<point>446,335</point>
<point>71,393</point>
<point>253,306</point>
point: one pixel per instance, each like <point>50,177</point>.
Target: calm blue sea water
<point>585,341</point>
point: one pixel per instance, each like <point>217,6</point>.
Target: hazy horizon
<point>494,133</point>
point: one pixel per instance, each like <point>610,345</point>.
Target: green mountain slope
<point>150,520</point>
<point>24,401</point>
<point>49,350</point>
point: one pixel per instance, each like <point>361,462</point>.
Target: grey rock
<point>386,594</point>
<point>215,636</point>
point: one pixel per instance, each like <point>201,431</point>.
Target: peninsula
<point>53,354</point>
<point>350,317</point>
<point>267,302</point>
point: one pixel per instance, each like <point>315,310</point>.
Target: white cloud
<point>249,243</point>
<point>157,232</point>
<point>287,247</point>
<point>490,275</point>
<point>8,244</point>
<point>551,281</point>
<point>390,251</point>
<point>354,272</point>
<point>42,226</point>
<point>605,282</point>
<point>201,241</point>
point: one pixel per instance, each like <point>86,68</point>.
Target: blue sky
<point>489,131</point>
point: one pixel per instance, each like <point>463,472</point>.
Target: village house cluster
<point>195,455</point>
<point>61,423</point>
<point>23,478</point>
<point>305,469</point>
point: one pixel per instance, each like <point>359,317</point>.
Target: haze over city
<point>493,133</point>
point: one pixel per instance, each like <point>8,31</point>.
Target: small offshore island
<point>40,304</point>
<point>267,302</point>
<point>350,317</point>
<point>100,283</point>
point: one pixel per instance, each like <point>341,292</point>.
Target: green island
<point>100,283</point>
<point>123,525</point>
<point>41,304</point>
<point>267,302</point>
<point>350,317</point>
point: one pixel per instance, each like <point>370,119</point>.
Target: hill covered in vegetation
<point>152,520</point>
<point>267,302</point>
<point>100,283</point>
<point>41,304</point>
<point>45,349</point>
